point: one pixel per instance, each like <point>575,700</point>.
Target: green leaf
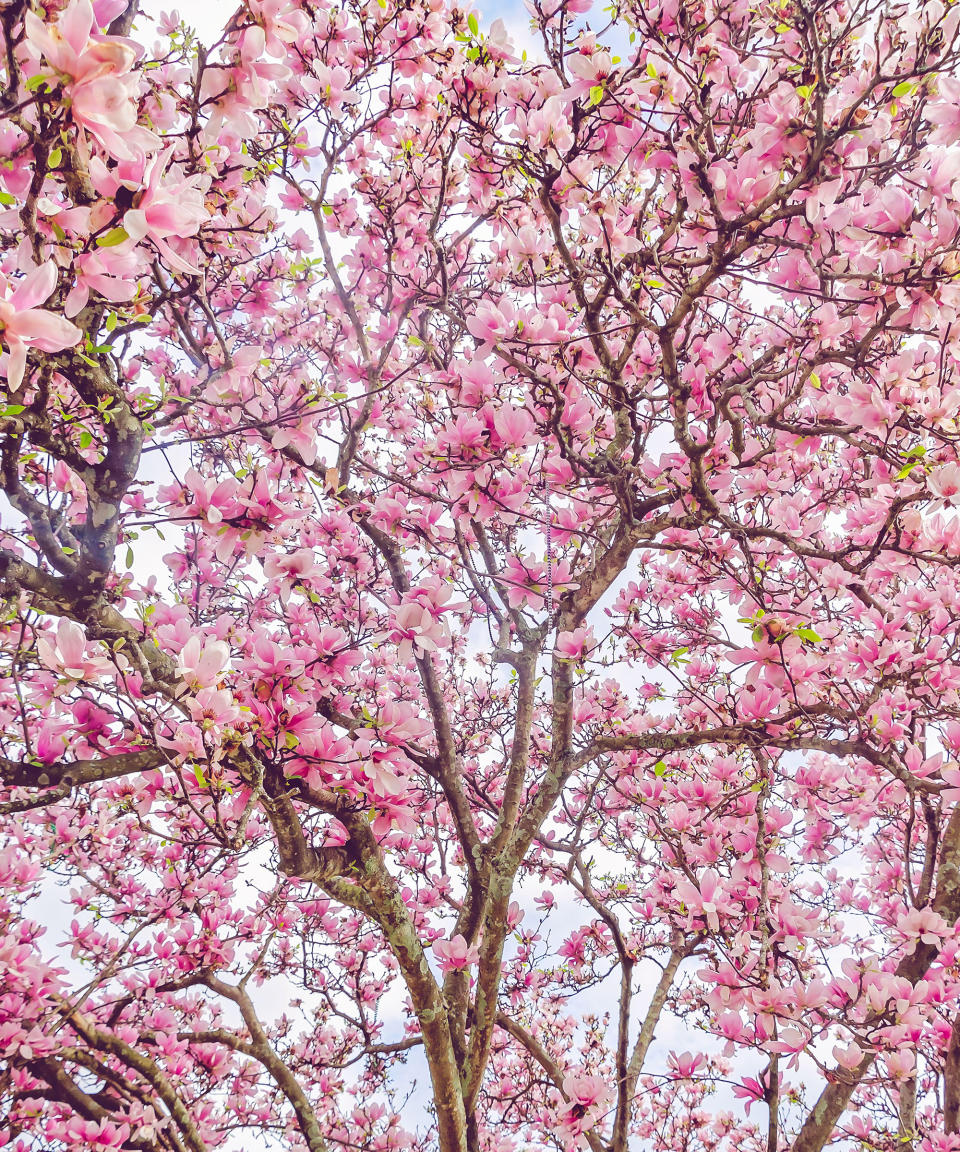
<point>473,24</point>
<point>651,69</point>
<point>327,209</point>
<point>804,90</point>
<point>596,94</point>
<point>112,238</point>
<point>809,634</point>
<point>12,410</point>
<point>660,768</point>
<point>198,772</point>
<point>6,198</point>
<point>129,557</point>
<point>54,157</point>
<point>904,89</point>
<point>907,469</point>
<point>34,82</point>
<point>111,321</point>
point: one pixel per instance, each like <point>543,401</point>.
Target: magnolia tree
<point>481,577</point>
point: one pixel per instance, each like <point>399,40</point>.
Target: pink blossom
<point>68,655</point>
<point>23,325</point>
<point>573,646</point>
<point>98,82</point>
<point>455,954</point>
<point>111,272</point>
<point>707,900</point>
<point>165,210</point>
<point>849,1056</point>
<point>686,1064</point>
<point>201,663</point>
<point>588,1097</point>
<point>945,483</point>
<point>750,1090</point>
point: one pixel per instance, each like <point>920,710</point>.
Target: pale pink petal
<point>35,288</point>
<point>76,299</point>
<point>72,642</point>
<point>76,23</point>
<point>44,330</point>
<point>16,362</point>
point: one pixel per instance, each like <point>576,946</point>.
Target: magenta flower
<point>23,325</point>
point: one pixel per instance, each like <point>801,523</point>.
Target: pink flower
<point>707,900</point>
<point>945,483</point>
<point>201,663</point>
<point>848,1057</point>
<point>174,208</point>
<point>922,925</point>
<point>23,325</point>
<point>455,954</point>
<point>213,706</point>
<point>68,655</point>
<point>112,272</point>
<point>98,84</point>
<point>686,1064</point>
<point>588,1097</point>
<point>575,645</point>
<point>419,627</point>
<point>751,1091</point>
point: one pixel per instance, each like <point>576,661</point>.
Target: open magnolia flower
<point>96,71</point>
<point>24,325</point>
<point>67,655</point>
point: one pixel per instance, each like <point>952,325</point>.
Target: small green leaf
<point>903,89</point>
<point>660,768</point>
<point>327,209</point>
<point>809,634</point>
<point>652,70</point>
<point>804,90</point>
<point>12,410</point>
<point>473,24</point>
<point>198,772</point>
<point>129,557</point>
<point>34,82</point>
<point>907,469</point>
<point>596,94</point>
<point>111,321</point>
<point>6,198</point>
<point>112,238</point>
<point>54,157</point>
